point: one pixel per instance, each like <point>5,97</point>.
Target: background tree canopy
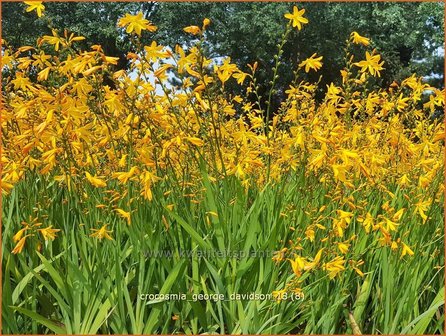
<point>409,36</point>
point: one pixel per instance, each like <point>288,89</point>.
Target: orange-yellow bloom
<point>19,234</point>
<point>310,265</point>
<point>101,233</point>
<point>297,18</point>
<point>49,233</point>
<point>95,181</point>
<point>343,247</point>
<point>358,39</point>
<point>35,5</point>
<point>279,295</point>
<point>194,30</point>
<point>297,265</point>
<point>124,214</point>
<point>20,245</point>
<point>334,267</point>
<point>206,22</point>
<point>406,250</point>
<point>312,62</point>
<point>371,64</point>
<point>136,23</point>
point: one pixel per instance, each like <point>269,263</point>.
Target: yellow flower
<point>95,181</point>
<point>19,247</point>
<point>240,77</point>
<point>312,63</point>
<point>43,75</point>
<point>310,265</point>
<point>367,222</point>
<point>404,180</point>
<point>297,17</point>
<point>390,225</point>
<point>355,265</point>
<point>297,265</point>
<point>124,214</point>
<point>421,207</point>
<point>194,30</point>
<point>56,40</point>
<point>310,234</point>
<point>19,234</point>
<point>406,250</point>
<point>371,64</point>
<point>357,270</point>
<point>49,233</point>
<point>136,23</point>
<point>343,247</point>
<point>155,52</point>
<point>35,5</point>
<point>333,92</point>
<point>339,172</point>
<point>101,233</point>
<point>123,177</point>
<point>206,22</point>
<point>334,267</point>
<point>279,255</point>
<point>340,224</point>
<point>147,178</point>
<point>402,103</point>
<point>195,141</point>
<point>345,215</point>
<point>397,216</point>
<point>358,39</point>
<point>279,295</point>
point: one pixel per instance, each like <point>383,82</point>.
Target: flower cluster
<point>61,121</point>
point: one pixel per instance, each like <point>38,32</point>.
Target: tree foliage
<point>409,36</point>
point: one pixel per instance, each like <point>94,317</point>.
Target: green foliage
<point>87,286</point>
<point>407,35</point>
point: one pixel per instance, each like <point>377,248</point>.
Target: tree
<point>409,36</point>
<point>94,20</point>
